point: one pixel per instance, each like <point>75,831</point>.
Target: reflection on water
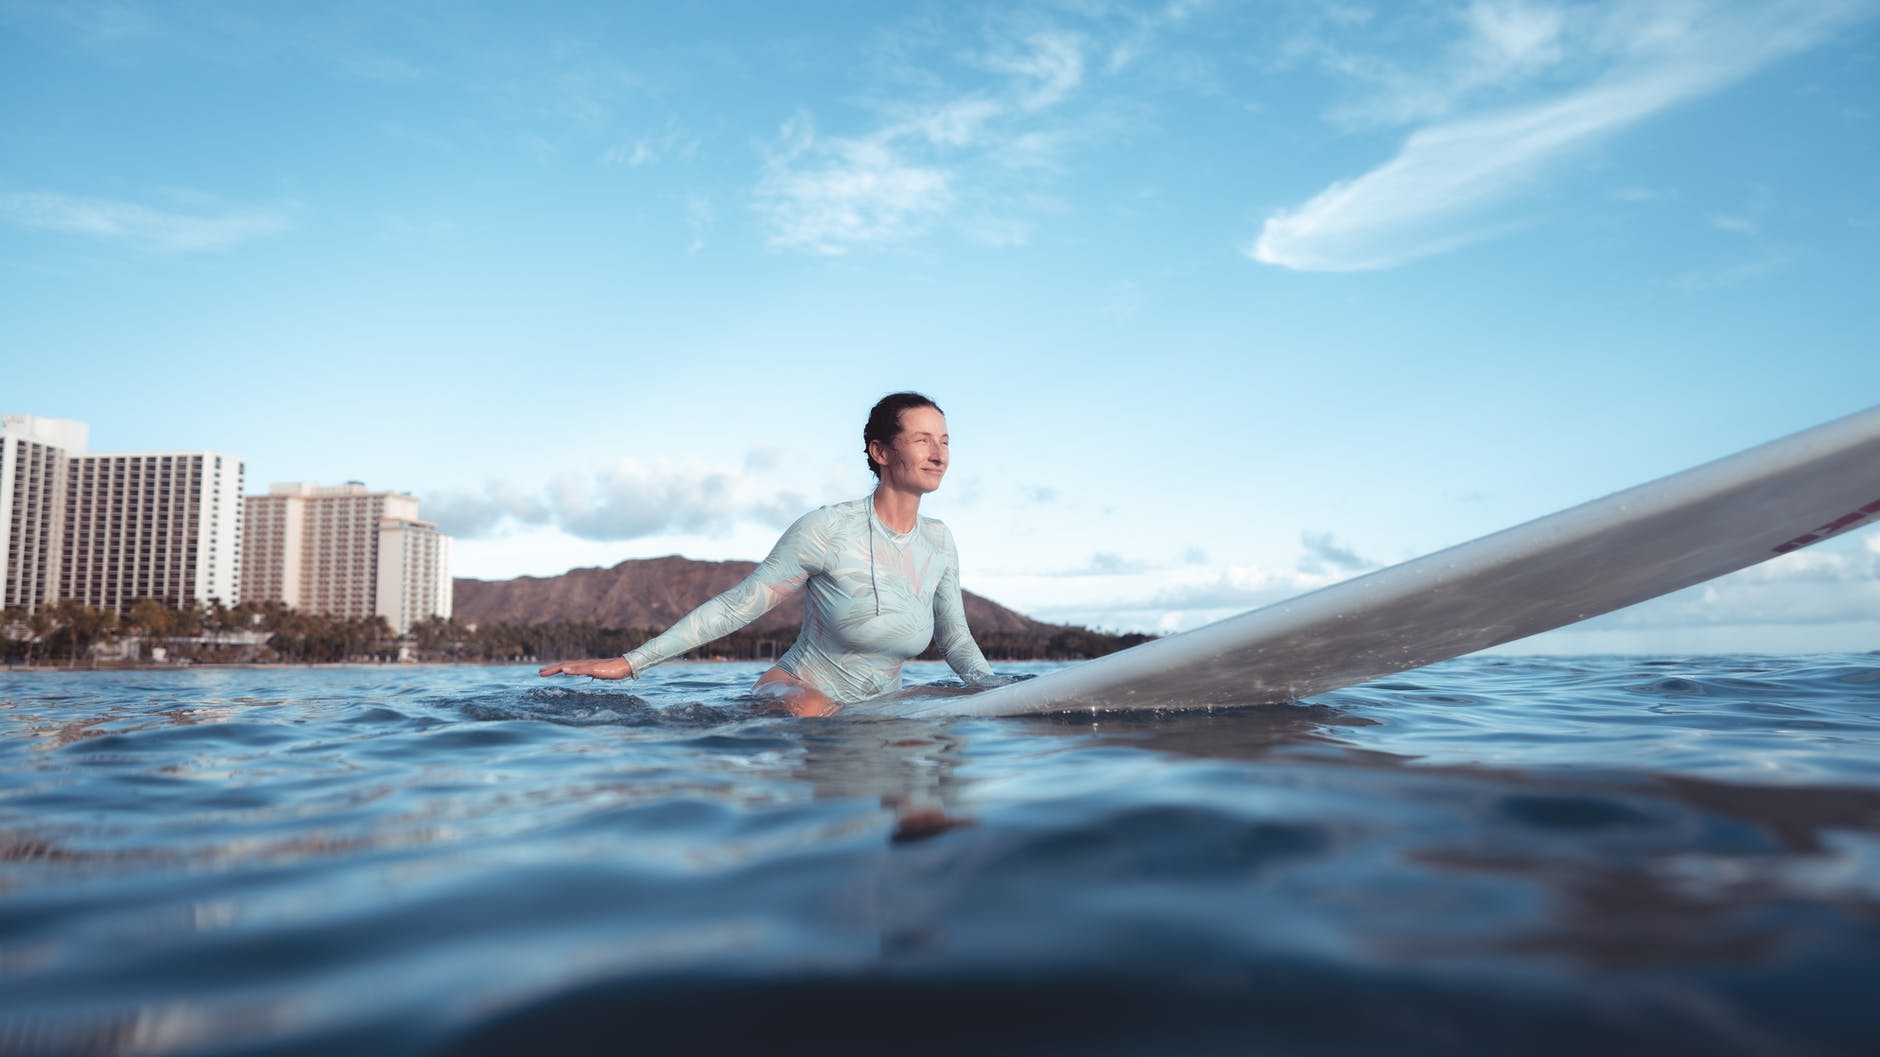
<point>1490,856</point>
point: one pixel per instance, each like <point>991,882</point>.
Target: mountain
<point>655,592</point>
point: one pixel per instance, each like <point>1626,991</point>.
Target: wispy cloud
<point>1450,182</point>
<point>1642,195</point>
<point>1173,593</point>
<point>1144,26</point>
<point>1830,584</point>
<point>828,195</point>
<point>1735,272</point>
<point>1145,597</point>
<point>670,142</point>
<point>624,501</point>
<point>1491,45</point>
<point>936,151</point>
<point>172,231</point>
<point>338,38</point>
<point>1109,564</point>
<point>1045,68</point>
<point>699,218</point>
<point>1325,555</point>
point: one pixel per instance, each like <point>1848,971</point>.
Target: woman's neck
<point>898,510</point>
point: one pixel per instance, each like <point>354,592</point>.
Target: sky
<point>1224,301</point>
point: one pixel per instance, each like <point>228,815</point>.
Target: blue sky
<point>1224,300</point>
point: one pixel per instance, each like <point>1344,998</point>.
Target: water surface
<point>1492,855</point>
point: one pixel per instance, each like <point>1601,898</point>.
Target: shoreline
<point>150,666</point>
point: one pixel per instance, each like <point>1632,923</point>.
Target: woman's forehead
<point>923,420</point>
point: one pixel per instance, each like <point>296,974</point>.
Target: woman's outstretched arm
<point>780,575</point>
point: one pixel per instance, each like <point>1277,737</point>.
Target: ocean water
<point>1489,856</point>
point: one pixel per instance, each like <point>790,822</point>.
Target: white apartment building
<point>33,474</point>
<point>414,572</point>
<point>345,551</point>
<point>110,529</point>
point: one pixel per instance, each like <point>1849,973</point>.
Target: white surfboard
<point>1591,559</point>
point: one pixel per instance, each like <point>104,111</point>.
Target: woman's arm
<point>950,632</point>
<point>780,575</point>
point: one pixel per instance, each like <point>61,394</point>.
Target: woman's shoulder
<point>832,519</point>
<point>936,531</point>
<point>843,512</point>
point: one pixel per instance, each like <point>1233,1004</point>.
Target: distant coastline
<point>582,613</point>
<point>152,666</point>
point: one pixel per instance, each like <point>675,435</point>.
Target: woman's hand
<point>602,668</point>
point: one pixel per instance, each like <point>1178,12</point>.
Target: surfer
<point>881,582</point>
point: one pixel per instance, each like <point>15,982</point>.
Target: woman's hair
<point>884,422</point>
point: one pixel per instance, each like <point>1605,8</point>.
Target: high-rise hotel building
<point>344,551</point>
<point>107,530</point>
<point>34,470</point>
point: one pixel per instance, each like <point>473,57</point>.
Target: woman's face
<point>917,459</point>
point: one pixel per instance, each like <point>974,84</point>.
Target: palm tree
<point>39,627</point>
<point>12,626</point>
<point>79,622</point>
<point>187,620</point>
<point>217,618</point>
<point>149,619</point>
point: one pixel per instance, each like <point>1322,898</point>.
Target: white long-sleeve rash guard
<point>876,598</point>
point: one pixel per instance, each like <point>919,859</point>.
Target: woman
<point>881,583</point>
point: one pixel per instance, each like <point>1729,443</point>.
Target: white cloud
<point>1642,195</point>
<point>1733,273</point>
<point>827,195</point>
<point>1145,25</point>
<point>700,217</point>
<point>1110,563</point>
<point>1048,67</point>
<point>1447,183</point>
<point>1436,193</point>
<point>1491,46</point>
<point>1324,554</point>
<point>927,158</point>
<point>1827,584</point>
<point>1509,39</point>
<point>1163,594</point>
<point>202,231</point>
<point>640,151</point>
<point>959,123</point>
<point>626,500</point>
<point>632,155</point>
<point>1834,584</point>
<point>1138,596</point>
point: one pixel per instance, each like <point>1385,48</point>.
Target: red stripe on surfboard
<point>1840,524</point>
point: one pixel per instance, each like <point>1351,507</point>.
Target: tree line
<point>69,632</point>
<point>439,639</point>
